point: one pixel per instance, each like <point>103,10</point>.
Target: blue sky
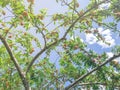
<point>54,7</point>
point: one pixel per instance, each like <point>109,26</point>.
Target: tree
<point>28,42</point>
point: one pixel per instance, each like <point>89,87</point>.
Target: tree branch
<point>43,35</point>
<point>22,76</point>
<point>96,83</point>
<point>67,31</point>
<point>81,17</point>
<point>93,70</point>
<point>71,7</point>
<point>38,54</point>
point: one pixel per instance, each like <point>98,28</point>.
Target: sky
<point>53,7</point>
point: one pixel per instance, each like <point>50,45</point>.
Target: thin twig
<point>72,7</point>
<point>63,38</point>
<point>43,35</point>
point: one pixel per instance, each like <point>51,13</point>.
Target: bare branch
<point>49,24</point>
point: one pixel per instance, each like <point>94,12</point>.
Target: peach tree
<point>50,52</point>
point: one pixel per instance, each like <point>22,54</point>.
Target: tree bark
<point>14,60</point>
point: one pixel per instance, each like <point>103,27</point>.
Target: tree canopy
<point>39,51</point>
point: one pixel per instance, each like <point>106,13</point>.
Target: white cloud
<point>100,29</point>
<point>106,34</point>
<point>105,45</point>
<point>107,37</point>
<point>104,6</point>
<point>91,39</point>
<point>109,54</point>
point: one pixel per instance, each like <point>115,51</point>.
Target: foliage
<point>28,43</point>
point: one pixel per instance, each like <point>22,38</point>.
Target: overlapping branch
<point>93,70</point>
<point>64,36</point>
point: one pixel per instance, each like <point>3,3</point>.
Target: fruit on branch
<point>56,71</point>
<point>87,22</point>
<point>43,28</point>
<point>32,50</point>
<point>10,36</point>
<point>35,39</point>
<point>81,12</point>
<point>21,23</point>
<point>3,13</point>
<point>47,37</point>
<point>25,13</point>
<point>99,57</point>
<point>3,24</point>
<point>54,32</point>
<point>114,62</point>
<point>6,30</point>
<point>76,47</point>
<point>87,31</point>
<point>8,72</point>
<point>21,17</point>
<point>117,13</point>
<point>25,33</point>
<point>94,60</point>
<point>77,5</point>
<point>54,17</point>
<point>3,79</point>
<point>64,45</point>
<point>41,17</point>
<point>30,1</point>
<point>7,84</point>
<point>44,62</point>
<point>95,31</point>
<point>91,17</point>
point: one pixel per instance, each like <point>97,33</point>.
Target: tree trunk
<point>26,84</point>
